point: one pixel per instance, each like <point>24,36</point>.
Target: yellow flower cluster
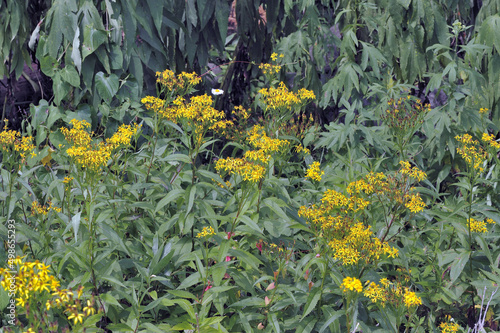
<point>206,232</point>
<point>154,104</point>
<point>9,142</point>
<point>37,209</point>
<point>376,293</point>
<point>264,145</point>
<point>414,203</point>
<point>252,167</point>
<point>483,110</point>
<point>249,171</point>
<point>274,56</point>
<point>34,283</point>
<point>67,180</point>
<point>479,226</point>
<point>471,151</point>
<point>283,99</point>
<point>271,69</point>
<point>391,292</point>
<point>490,140</point>
<point>449,327</point>
<point>89,156</point>
<point>314,172</point>
<point>301,149</point>
<point>411,299</point>
<point>350,240</point>
<point>182,82</point>
<point>351,284</point>
<point>359,243</point>
<point>414,172</point>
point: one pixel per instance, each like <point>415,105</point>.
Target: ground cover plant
<point>347,182</point>
<point>188,218</point>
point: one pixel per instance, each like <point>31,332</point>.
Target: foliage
<point>173,214</point>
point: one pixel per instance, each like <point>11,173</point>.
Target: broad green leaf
<point>106,86</point>
<point>70,75</point>
<point>92,39</point>
<point>61,88</point>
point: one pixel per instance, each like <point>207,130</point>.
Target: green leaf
<point>332,317</point>
<point>171,196</point>
<point>251,301</point>
<point>61,88</point>
<point>311,302</point>
<point>274,204</point>
<point>108,299</point>
<point>489,32</point>
<point>186,306</point>
<point>76,56</point>
<point>92,39</point>
<point>181,294</point>
<point>190,280</point>
<point>306,326</point>
<point>70,75</point>
<point>245,257</point>
<point>106,86</point>
<point>274,322</point>
<point>114,237</point>
<point>458,265</point>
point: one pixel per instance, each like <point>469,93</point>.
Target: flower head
<point>217,91</point>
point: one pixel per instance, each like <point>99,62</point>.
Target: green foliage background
<point>149,272</point>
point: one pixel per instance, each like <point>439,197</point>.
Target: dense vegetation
<point>284,166</point>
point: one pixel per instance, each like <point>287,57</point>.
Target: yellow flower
<point>351,284</point>
<point>375,293</point>
<point>77,317</point>
<point>206,232</point>
<point>411,299</point>
<point>414,203</point>
<point>477,226</point>
<point>314,172</point>
<point>89,309</point>
<point>449,327</point>
<point>414,172</point>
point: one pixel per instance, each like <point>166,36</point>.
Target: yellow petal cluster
<point>351,284</point>
<point>490,140</point>
<point>449,327</point>
<point>181,82</point>
<point>314,172</point>
<point>413,172</point>
<point>391,292</point>
<point>11,141</point>
<point>471,151</point>
<point>479,226</point>
<point>206,232</point>
<point>34,283</point>
<point>284,99</point>
<point>94,156</point>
